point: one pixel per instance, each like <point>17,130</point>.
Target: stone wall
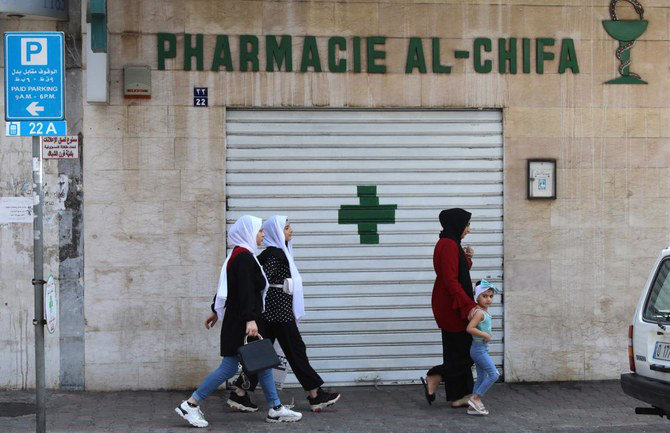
<point>574,267</point>
<point>17,356</point>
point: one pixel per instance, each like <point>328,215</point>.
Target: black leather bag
<point>257,355</point>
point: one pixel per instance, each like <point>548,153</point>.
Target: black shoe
<point>322,400</point>
<point>243,403</point>
<point>430,398</point>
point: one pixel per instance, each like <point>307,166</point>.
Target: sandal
<point>430,398</point>
<point>477,407</point>
<point>471,411</point>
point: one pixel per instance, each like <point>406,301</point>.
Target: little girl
<point>480,329</point>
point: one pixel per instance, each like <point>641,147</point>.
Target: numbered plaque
<point>200,97</point>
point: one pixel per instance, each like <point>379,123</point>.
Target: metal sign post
<point>35,106</point>
<point>38,283</point>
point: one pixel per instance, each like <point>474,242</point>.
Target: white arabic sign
<point>16,210</point>
<point>60,147</point>
<point>51,305</point>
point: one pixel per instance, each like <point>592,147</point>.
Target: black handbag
<point>257,355</point>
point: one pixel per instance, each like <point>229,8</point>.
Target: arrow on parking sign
<point>33,108</point>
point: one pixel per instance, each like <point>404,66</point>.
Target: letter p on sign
<point>34,51</point>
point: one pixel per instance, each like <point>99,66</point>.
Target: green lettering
<point>541,55</point>
<point>191,51</point>
<point>568,57</point>
<point>248,53</point>
<point>222,54</point>
<point>336,44</point>
<point>278,53</point>
<point>505,56</point>
<point>166,53</point>
<point>310,55</point>
<point>374,54</point>
<point>487,66</point>
<point>357,54</point>
<point>437,67</point>
<point>415,56</point>
<point>526,56</point>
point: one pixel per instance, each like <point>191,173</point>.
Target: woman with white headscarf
<point>282,313</point>
<point>239,303</point>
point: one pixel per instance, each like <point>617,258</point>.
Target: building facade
<point>360,120</point>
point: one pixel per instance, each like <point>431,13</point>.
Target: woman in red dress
<point>452,304</point>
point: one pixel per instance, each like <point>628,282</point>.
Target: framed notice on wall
<point>541,179</point>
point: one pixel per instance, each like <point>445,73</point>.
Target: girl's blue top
<point>485,326</point>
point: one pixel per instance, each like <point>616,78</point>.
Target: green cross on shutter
<point>367,214</point>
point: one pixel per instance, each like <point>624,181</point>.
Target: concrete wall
<point>62,249</point>
<point>155,178</point>
<point>17,356</point>
<point>154,217</point>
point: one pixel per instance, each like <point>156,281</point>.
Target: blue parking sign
<point>34,76</point>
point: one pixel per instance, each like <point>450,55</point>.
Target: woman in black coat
<point>239,301</point>
<point>283,312</point>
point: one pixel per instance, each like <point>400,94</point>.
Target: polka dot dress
<point>278,305</point>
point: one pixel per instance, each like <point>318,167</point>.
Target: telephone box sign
<point>34,76</point>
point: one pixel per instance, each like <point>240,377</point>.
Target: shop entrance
<point>363,190</point>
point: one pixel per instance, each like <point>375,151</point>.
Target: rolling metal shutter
<point>369,318</point>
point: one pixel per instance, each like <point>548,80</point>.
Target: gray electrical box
<point>136,81</point>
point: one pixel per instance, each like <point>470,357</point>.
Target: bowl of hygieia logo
<point>626,32</point>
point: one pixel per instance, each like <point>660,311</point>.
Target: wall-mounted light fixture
<point>96,15</point>
<point>97,64</point>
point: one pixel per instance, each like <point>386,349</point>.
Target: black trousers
<point>296,355</point>
<point>456,371</point>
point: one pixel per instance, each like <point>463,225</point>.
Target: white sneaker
<point>191,414</point>
<point>283,414</point>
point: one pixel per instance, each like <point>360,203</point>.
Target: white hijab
<point>243,234</point>
<point>274,237</point>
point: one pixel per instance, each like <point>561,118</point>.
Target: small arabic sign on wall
<point>64,147</point>
<point>16,210</point>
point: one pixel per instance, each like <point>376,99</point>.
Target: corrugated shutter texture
<point>368,306</point>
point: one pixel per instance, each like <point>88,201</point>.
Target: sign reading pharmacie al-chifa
<point>364,54</point>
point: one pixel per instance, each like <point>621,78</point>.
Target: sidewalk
<point>515,408</point>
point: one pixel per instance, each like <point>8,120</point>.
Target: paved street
<point>518,408</point>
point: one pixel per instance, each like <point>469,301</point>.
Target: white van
<point>649,343</point>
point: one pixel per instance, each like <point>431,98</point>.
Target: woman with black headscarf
<point>452,304</point>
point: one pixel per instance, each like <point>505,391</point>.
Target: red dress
<point>451,304</point>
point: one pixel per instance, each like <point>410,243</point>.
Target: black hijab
<point>454,221</point>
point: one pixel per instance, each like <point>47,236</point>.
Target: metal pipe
<point>38,283</point>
